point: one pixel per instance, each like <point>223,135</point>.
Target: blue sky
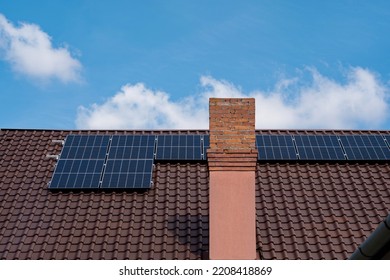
<point>154,64</point>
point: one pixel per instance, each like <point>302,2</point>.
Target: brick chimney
<point>232,161</point>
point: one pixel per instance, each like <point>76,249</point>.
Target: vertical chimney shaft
<point>232,161</point>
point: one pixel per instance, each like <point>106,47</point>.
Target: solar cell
<point>275,147</point>
<point>318,147</point>
<point>179,147</point>
<point>365,147</point>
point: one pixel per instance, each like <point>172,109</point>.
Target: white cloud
<point>30,52</point>
<point>359,102</point>
<point>138,107</point>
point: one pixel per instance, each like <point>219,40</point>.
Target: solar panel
<point>129,162</point>
<point>85,147</point>
<point>77,174</point>
<point>124,174</point>
<point>179,147</point>
<point>206,145</point>
<point>319,147</point>
<point>365,147</point>
<point>275,147</point>
<point>81,162</point>
<point>387,140</point>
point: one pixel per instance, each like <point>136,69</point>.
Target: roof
<point>304,210</point>
<point>377,245</point>
<point>318,211</point>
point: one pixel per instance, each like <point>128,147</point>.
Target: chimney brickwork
<point>232,159</point>
<point>232,134</point>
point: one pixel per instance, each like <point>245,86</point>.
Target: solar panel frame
<point>318,147</point>
<point>275,147</point>
<point>365,147</point>
<point>179,147</point>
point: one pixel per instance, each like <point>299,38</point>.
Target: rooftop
<point>304,210</point>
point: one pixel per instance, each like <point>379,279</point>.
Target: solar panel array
<point>323,147</point>
<point>119,161</point>
<point>126,161</point>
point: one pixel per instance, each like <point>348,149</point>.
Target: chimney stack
<point>232,161</point>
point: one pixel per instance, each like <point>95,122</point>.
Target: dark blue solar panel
<point>85,147</point>
<point>275,147</point>
<point>206,145</point>
<point>133,140</point>
<point>124,174</point>
<point>319,147</point>
<point>179,147</point>
<point>365,147</point>
<point>387,140</point>
<point>129,162</point>
<point>77,174</point>
<point>81,162</point>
